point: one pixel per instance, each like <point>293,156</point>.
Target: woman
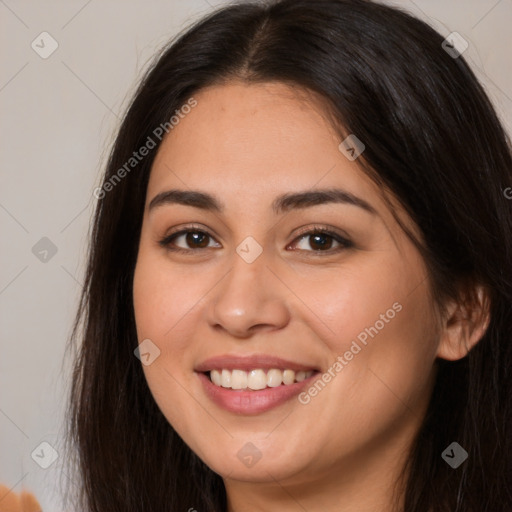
<point>299,293</point>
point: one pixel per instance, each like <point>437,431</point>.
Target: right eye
<point>194,238</point>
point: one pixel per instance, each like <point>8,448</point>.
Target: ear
<point>464,324</point>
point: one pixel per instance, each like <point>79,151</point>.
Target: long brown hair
<point>432,138</point>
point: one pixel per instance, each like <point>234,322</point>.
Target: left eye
<point>320,241</point>
<point>196,238</point>
<point>324,239</point>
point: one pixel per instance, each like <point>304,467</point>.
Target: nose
<point>249,299</point>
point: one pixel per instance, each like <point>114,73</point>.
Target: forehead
<point>259,137</point>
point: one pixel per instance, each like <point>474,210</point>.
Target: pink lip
<point>247,363</point>
<point>251,402</point>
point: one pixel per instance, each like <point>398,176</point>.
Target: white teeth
<point>300,376</point>
<point>238,379</point>
<point>225,379</point>
<point>257,379</point>
<point>274,378</point>
<point>216,377</point>
<point>288,377</point>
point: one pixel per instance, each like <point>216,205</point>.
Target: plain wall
<point>58,120</point>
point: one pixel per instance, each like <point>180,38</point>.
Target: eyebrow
<point>282,204</point>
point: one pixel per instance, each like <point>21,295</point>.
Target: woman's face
<point>256,290</point>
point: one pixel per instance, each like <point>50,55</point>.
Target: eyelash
<point>317,230</point>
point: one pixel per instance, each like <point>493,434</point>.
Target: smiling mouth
<point>257,379</point>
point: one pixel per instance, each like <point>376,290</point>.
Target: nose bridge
<point>249,295</point>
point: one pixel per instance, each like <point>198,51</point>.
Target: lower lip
<point>251,402</point>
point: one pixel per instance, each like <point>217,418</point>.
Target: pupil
<point>195,238</point>
<point>316,239</point>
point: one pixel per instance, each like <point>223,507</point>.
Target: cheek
<point>367,301</point>
<point>164,298</point>
<point>165,303</point>
<point>381,334</point>
<point>376,386</point>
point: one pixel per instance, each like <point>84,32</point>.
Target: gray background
<point>59,117</point>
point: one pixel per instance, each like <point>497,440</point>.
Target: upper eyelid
<point>302,231</point>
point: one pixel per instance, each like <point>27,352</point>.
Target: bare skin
<point>343,449</point>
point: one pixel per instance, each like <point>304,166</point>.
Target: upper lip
<point>253,362</point>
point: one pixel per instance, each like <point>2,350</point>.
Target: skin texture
<point>343,450</point>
